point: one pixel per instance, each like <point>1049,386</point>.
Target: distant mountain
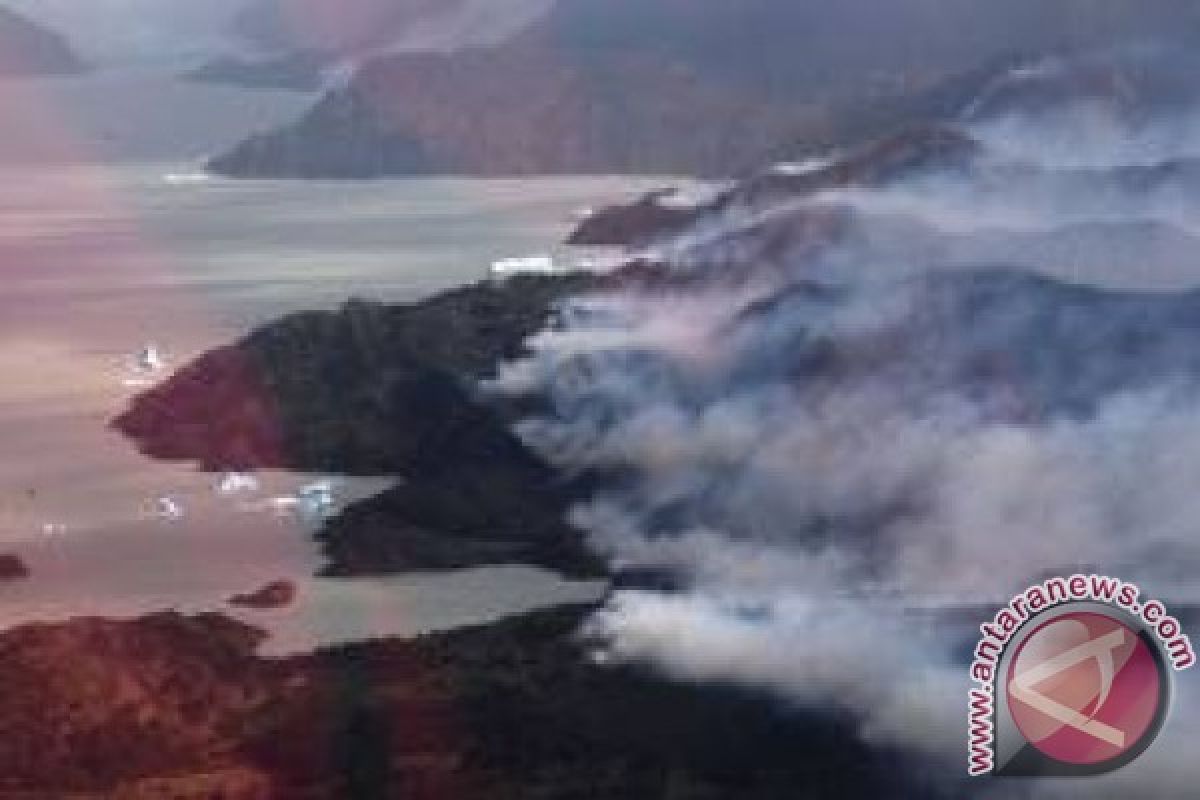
<point>352,28</point>
<point>171,33</point>
<point>27,48</point>
<point>679,86</point>
<point>297,44</point>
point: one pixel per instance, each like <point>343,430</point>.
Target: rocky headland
<point>382,390</point>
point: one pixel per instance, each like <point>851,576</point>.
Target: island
<point>12,568</point>
<point>276,594</point>
<point>29,48</point>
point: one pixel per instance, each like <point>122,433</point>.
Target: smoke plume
<point>839,415</point>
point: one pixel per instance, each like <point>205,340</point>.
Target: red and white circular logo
<point>1086,690</point>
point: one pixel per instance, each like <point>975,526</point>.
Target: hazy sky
<point>131,30</point>
<point>116,31</point>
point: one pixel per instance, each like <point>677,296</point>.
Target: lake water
<point>103,256</point>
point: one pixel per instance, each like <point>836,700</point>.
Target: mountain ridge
<point>30,48</point>
<point>677,88</point>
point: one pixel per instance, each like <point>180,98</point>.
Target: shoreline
<point>385,391</point>
<point>103,548</point>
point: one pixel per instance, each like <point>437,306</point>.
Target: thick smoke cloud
<point>840,416</point>
<point>1132,108</point>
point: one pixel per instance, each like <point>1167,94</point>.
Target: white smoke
<point>1135,106</point>
<point>818,650</point>
<point>842,409</point>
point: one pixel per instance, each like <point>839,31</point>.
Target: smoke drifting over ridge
<point>831,408</point>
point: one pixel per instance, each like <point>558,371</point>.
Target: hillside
<point>384,390</point>
<point>300,45</point>
<point>956,357</point>
<point>27,48</point>
<point>706,87</point>
<point>356,27</point>
<point>181,707</point>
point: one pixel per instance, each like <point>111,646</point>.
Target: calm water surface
<point>101,260</point>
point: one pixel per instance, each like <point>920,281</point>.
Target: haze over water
<point>105,254</point>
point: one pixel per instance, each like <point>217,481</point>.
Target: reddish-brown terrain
<point>276,594</point>
<point>12,568</point>
<point>170,706</point>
